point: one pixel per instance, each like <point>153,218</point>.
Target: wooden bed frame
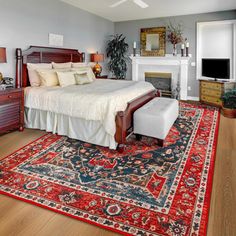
<point>38,54</point>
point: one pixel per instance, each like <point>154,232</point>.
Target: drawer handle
<point>9,96</point>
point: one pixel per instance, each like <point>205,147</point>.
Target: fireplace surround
<point>177,66</point>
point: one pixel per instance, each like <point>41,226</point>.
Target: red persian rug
<point>144,191</point>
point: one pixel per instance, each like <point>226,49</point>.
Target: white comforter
<point>100,100</point>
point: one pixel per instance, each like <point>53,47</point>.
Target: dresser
<point>211,91</point>
<point>11,110</point>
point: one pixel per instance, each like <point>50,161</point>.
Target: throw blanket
<point>99,101</point>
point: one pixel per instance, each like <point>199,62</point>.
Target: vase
<point>174,50</point>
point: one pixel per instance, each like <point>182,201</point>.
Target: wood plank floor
<point>23,219</point>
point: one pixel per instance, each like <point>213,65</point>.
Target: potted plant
<point>229,104</point>
<point>116,51</point>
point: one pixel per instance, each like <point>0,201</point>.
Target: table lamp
<point>3,59</point>
<point>96,57</point>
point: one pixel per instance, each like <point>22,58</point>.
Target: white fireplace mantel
<point>177,65</point>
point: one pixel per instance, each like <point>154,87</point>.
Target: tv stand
<point>211,91</point>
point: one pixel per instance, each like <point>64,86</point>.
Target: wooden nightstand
<point>102,77</point>
<point>212,91</point>
<point>11,110</point>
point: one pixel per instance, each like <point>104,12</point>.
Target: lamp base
<point>97,70</point>
<point>1,78</point>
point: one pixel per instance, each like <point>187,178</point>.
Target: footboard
<point>124,119</point>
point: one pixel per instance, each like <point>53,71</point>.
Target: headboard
<point>37,54</point>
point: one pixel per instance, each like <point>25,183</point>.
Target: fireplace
<point>176,65</point>
<point>161,81</point>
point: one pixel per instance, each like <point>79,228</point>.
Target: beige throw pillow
<point>66,78</point>
<point>85,69</point>
<point>48,78</point>
<point>82,78</point>
<point>33,74</point>
<point>61,65</point>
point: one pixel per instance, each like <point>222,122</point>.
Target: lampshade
<point>96,57</point>
<point>3,56</point>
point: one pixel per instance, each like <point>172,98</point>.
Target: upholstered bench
<point>156,118</point>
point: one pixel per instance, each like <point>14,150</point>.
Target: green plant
<point>229,99</point>
<point>116,51</point>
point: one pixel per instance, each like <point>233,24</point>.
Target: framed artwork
<point>56,40</point>
<point>153,41</point>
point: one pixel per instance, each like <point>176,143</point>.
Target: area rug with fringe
<point>146,190</point>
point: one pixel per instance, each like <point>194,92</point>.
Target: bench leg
<point>160,142</point>
<point>120,148</point>
<point>138,137</point>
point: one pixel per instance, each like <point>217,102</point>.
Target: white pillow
<point>66,78</point>
<point>78,64</point>
<point>84,69</point>
<point>61,65</point>
<point>48,78</point>
<point>33,74</point>
<point>82,78</point>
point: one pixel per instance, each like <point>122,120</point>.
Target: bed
<point>74,112</point>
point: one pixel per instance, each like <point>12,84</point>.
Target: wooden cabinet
<point>211,91</point>
<point>11,110</point>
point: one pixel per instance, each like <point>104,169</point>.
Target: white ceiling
<point>157,8</point>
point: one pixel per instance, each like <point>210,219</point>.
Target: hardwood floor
<point>23,219</point>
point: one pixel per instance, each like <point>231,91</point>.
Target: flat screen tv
<point>217,68</point>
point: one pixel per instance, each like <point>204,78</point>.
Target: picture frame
<point>153,41</point>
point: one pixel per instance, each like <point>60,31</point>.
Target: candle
<point>135,45</point>
<point>187,44</point>
<point>182,46</point>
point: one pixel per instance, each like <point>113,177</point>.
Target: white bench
<point>156,118</point>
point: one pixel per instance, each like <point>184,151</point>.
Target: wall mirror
<point>153,41</point>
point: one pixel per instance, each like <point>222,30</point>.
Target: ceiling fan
<point>140,3</point>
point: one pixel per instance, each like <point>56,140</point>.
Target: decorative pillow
<point>66,78</point>
<point>79,64</point>
<point>82,78</point>
<point>86,69</point>
<point>61,65</point>
<point>48,77</point>
<point>33,74</point>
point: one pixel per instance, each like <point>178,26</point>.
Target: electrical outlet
<point>189,88</point>
<point>193,63</point>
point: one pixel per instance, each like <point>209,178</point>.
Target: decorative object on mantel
<point>187,47</point>
<point>182,49</point>
<point>175,36</point>
<point>153,41</point>
<point>96,57</point>
<point>116,51</point>
<point>229,104</point>
<point>134,49</point>
<point>3,59</point>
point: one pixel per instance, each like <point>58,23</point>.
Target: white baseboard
<point>193,98</point>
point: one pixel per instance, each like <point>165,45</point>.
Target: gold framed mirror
<point>153,41</point>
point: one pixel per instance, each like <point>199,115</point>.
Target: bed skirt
<point>76,128</point>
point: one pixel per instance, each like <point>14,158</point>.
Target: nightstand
<point>11,110</point>
<point>101,76</point>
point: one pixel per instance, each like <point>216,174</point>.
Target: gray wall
<point>28,22</point>
<point>131,29</point>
